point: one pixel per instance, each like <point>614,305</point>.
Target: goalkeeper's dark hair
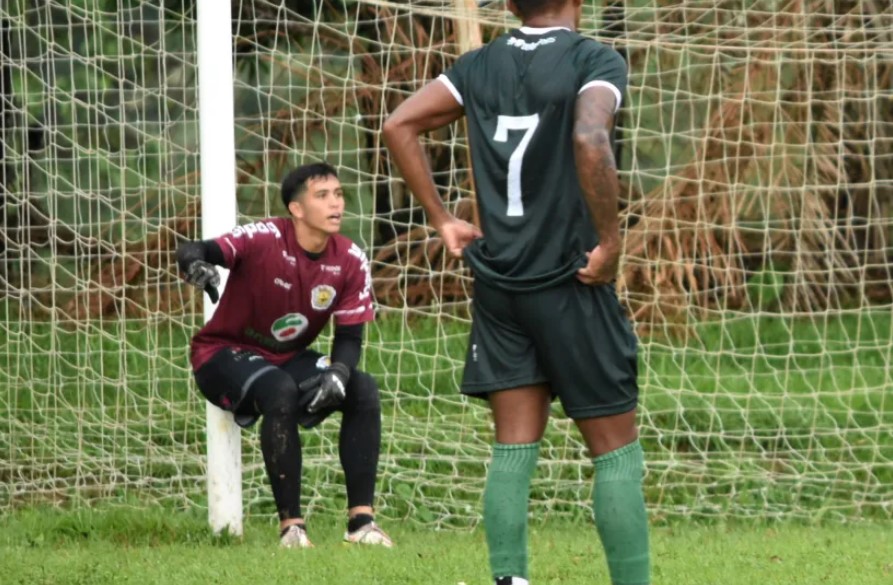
<point>529,8</point>
<point>295,183</point>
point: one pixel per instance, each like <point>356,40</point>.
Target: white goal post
<point>218,195</point>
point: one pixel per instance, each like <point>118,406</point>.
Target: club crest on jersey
<point>322,297</point>
<point>288,327</point>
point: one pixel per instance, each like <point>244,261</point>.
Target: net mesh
<point>756,156</point>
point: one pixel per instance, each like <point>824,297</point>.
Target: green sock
<point>620,517</point>
<point>505,507</point>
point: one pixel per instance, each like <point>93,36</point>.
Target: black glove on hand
<point>204,275</point>
<point>329,386</point>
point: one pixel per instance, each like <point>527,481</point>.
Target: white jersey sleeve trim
<point>446,81</point>
<point>231,246</point>
<point>609,85</point>
<point>355,311</point>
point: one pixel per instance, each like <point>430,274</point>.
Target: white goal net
<point>756,156</point>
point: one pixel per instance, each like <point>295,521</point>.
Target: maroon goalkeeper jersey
<point>277,299</point>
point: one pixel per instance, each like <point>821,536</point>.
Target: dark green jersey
<point>519,93</point>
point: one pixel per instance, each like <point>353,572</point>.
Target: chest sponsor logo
<point>331,269</point>
<point>281,283</point>
<point>322,296</point>
<point>289,326</point>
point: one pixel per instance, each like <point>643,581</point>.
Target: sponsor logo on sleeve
<point>288,327</point>
<point>322,297</point>
<point>357,253</point>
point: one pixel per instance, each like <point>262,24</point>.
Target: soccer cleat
<point>294,536</point>
<point>369,534</point>
<point>511,581</point>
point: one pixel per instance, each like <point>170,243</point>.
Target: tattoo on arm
<point>596,168</point>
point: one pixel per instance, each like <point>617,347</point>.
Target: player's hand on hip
<point>457,234</point>
<point>330,387</point>
<point>601,266</point>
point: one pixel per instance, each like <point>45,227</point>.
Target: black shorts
<point>226,380</point>
<point>573,337</point>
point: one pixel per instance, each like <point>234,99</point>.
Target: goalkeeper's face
<point>321,205</point>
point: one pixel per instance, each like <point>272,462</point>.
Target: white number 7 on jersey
<point>503,125</point>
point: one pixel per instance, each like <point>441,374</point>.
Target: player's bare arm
<point>431,108</point>
<point>597,172</point>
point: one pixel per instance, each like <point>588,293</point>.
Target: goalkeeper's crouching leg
<point>359,445</point>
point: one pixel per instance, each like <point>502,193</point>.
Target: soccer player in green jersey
<point>540,104</point>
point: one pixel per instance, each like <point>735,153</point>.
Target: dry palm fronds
<point>771,185</point>
<point>792,164</point>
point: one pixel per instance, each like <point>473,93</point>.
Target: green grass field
<point>769,446</point>
<point>119,546</point>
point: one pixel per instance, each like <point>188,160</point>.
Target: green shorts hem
<point>605,410</point>
<point>481,390</point>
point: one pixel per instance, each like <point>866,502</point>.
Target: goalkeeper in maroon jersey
<point>288,277</point>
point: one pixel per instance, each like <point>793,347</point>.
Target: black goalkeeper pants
<point>247,385</point>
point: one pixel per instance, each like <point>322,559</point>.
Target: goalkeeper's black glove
<point>204,275</point>
<point>329,387</point>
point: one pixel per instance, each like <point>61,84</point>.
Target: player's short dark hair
<point>529,8</point>
<point>295,183</point>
